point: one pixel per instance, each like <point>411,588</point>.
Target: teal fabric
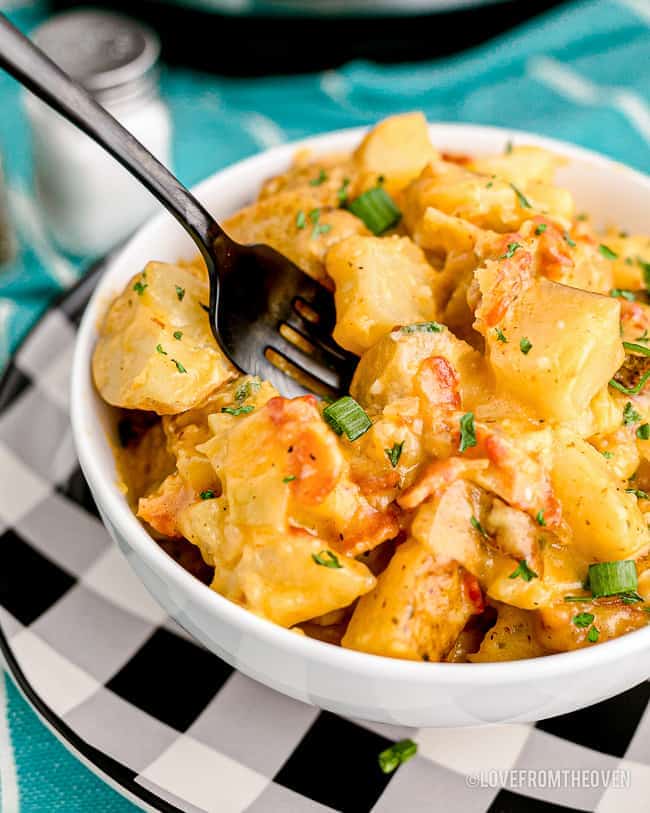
<point>580,73</point>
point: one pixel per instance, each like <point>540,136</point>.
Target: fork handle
<point>32,68</point>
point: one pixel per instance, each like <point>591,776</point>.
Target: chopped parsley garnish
<point>583,619</point>
<point>621,293</point>
<point>643,432</point>
<point>645,268</point>
<point>512,247</point>
<point>630,415</point>
<point>321,228</point>
<point>319,179</point>
<point>301,220</point>
<point>607,455</point>
<point>179,366</point>
<point>180,292</point>
<point>523,201</point>
<point>540,518</point>
<point>159,349</point>
<point>208,494</point>
<point>314,215</point>
<point>582,216</point>
<point>467,432</point>
<point>541,228</point>
<point>568,239</point>
<point>289,479</point>
<point>593,635</point>
<point>489,184</point>
<point>525,345</point>
<point>139,287</point>
<point>640,495</point>
<point>346,415</point>
<point>501,336</point>
<point>393,757</point>
<point>326,559</point>
<point>240,410</point>
<point>422,327</point>
<point>342,193</point>
<point>394,453</point>
<point>245,389</point>
<point>522,571</point>
<point>178,334</point>
<point>478,527</point>
<point>607,252</point>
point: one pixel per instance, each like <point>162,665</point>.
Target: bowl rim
<point>112,502</point>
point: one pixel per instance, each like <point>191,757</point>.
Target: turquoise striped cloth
<point>580,73</point>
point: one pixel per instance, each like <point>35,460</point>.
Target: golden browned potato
<point>380,283</point>
<point>605,520</point>
<point>562,344</point>
<point>276,575</point>
<point>298,223</point>
<point>155,349</point>
<point>416,611</point>
<point>512,638</point>
<point>573,625</point>
<point>397,149</point>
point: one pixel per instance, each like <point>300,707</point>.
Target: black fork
<point>264,311</point>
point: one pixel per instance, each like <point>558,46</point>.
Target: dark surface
<point>259,46</point>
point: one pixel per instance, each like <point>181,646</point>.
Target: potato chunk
<point>512,638</point>
<point>274,220</point>
<point>416,611</point>
<point>380,283</point>
<point>274,575</point>
<point>156,350</point>
<point>606,521</point>
<point>573,343</point>
<point>397,148</point>
<point>388,371</point>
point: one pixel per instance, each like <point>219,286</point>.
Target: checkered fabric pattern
<point>180,729</point>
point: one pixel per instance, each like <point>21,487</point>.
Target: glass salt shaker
<point>88,201</point>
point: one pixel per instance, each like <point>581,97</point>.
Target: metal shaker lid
<point>102,51</point>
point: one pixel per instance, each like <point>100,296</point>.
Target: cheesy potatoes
<point>482,493</point>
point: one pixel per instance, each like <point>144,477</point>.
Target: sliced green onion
<point>630,390</point>
<point>612,578</point>
<point>342,193</point>
<point>346,415</point>
<point>179,366</point>
<point>394,453</point>
<point>393,757</point>
<point>636,348</point>
<point>160,349</point>
<point>422,327</point>
<point>319,179</point>
<point>326,559</point>
<point>640,495</point>
<point>631,598</point>
<point>377,210</point>
<point>301,220</point>
<point>525,345</point>
<point>541,228</point>
<point>208,494</point>
<point>578,598</point>
<point>467,432</point>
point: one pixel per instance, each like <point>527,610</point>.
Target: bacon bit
<point>438,382</point>
<point>554,252</point>
<point>313,457</point>
<point>473,591</point>
<point>374,483</point>
<point>161,509</point>
<point>436,476</point>
<point>369,528</point>
<point>511,277</point>
<point>457,158</point>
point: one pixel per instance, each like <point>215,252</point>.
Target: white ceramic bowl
<point>352,683</point>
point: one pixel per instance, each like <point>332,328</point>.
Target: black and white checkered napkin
<point>177,727</point>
